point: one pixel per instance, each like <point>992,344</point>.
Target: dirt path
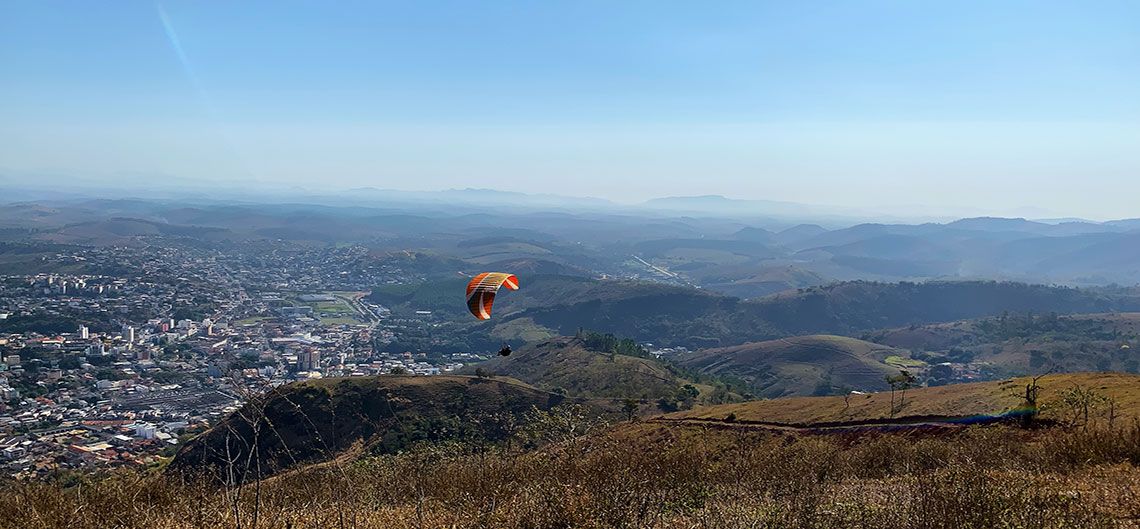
<point>921,422</point>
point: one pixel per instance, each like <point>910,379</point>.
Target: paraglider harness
<point>505,351</point>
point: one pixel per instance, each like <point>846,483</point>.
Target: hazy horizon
<point>1014,109</point>
<point>205,192</point>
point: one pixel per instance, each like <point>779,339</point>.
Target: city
<point>114,369</point>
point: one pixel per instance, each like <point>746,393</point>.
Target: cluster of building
<point>75,445</point>
<point>117,369</point>
<point>664,352</point>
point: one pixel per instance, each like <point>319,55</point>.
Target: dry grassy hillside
<point>646,475</point>
<point>957,400</point>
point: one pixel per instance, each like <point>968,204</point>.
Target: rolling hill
<point>800,365</point>
<point>697,319</point>
<point>320,420</point>
<point>540,291</point>
<point>757,283</point>
<point>719,252</point>
<point>486,250</point>
<point>566,365</point>
<point>1027,343</point>
<point>118,230</point>
<point>672,248</point>
<point>537,267</point>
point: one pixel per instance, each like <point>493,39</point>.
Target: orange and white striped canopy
<point>482,288</point>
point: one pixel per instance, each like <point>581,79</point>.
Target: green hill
<point>119,230</point>
<point>537,291</point>
<point>487,250</point>
<point>536,267</point>
<point>320,420</point>
<point>800,365</point>
<point>698,319</point>
<point>846,307</point>
<point>1015,344</point>
<point>750,281</point>
<point>567,365</point>
<point>446,296</point>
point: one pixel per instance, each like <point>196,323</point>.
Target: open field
<point>341,310</point>
<point>899,361</point>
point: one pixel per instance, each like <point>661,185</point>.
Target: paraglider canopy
<point>482,288</point>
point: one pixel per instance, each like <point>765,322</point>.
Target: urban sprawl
<point>119,362</point>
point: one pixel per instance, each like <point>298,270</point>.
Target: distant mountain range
<point>740,251</point>
<point>47,186</point>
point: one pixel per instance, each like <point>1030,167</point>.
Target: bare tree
<point>1032,408</point>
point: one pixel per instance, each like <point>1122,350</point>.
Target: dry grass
<point>957,400</point>
<point>648,475</point>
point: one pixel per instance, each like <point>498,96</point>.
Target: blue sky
<point>996,106</point>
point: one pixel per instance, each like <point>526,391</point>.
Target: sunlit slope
<point>566,365</point>
<point>801,365</point>
<point>957,400</point>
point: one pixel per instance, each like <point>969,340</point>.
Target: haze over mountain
<point>826,265</point>
<point>748,251</point>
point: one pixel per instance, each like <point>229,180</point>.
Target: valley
<point>223,350</point>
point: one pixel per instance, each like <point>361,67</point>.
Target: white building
<point>145,430</point>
